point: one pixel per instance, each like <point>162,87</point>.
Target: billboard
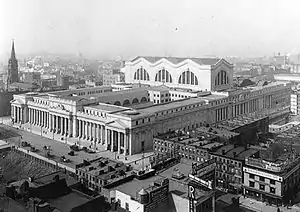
<point>207,184</point>
<point>203,168</point>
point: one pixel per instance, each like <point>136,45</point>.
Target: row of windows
<point>262,187</point>
<point>262,179</point>
<point>142,121</point>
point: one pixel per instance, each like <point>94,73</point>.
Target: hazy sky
<point>152,27</point>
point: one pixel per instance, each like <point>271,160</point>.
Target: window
<point>261,187</point>
<point>272,182</point>
<point>272,190</point>
<point>251,176</point>
<point>262,179</point>
<point>137,122</point>
<point>126,206</point>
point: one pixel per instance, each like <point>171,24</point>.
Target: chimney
<point>234,154</point>
<point>223,151</point>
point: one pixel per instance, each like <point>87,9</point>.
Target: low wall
<point>43,160</point>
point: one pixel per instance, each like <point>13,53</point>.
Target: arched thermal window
<point>141,74</point>
<point>163,76</point>
<point>126,102</point>
<point>188,77</point>
<point>221,78</point>
<point>117,103</point>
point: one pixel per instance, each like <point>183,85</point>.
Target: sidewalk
<point>262,207</point>
<point>59,147</point>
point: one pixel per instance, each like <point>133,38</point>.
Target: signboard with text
<point>191,198</point>
<point>203,168</point>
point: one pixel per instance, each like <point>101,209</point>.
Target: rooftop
<point>235,152</point>
<point>176,60</point>
<point>240,121</point>
<point>67,202</point>
<point>167,106</point>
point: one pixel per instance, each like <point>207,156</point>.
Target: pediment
<point>17,101</point>
<point>116,124</point>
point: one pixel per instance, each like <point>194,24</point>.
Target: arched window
<point>163,76</point>
<point>141,74</point>
<point>135,101</point>
<point>188,77</point>
<point>117,103</point>
<point>126,102</point>
<point>144,99</point>
<point>221,78</point>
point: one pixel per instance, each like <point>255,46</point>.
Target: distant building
<point>13,67</point>
<point>62,81</point>
<point>31,77</point>
<point>112,77</point>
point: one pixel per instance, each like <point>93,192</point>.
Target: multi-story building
<point>295,102</point>
<point>192,145</point>
<point>274,180</point>
<point>230,161</point>
<point>102,173</point>
<point>125,122</point>
<point>146,199</point>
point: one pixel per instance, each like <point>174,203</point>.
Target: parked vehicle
<point>71,153</point>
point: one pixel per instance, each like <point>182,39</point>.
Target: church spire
<point>13,53</point>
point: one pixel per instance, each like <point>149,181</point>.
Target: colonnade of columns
<point>112,139</point>
<point>117,141</point>
<point>17,114</point>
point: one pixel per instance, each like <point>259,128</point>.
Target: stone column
<point>84,129</point>
<point>103,135</point>
<point>126,138</point>
<point>62,125</point>
<point>42,118</point>
<point>80,128</point>
<point>111,138</point>
<point>57,124</point>
<point>74,124</point>
<point>91,131</point>
<point>66,127</point>
<point>119,142</point>
<point>98,133</point>
<point>70,126</point>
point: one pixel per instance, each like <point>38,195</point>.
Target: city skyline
<point>169,28</point>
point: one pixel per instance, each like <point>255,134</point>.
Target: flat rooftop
<point>67,202</point>
<point>240,121</point>
<point>235,152</point>
<point>166,106</point>
<point>178,187</point>
<point>107,107</point>
<point>217,131</point>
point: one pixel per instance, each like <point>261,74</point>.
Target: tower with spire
<point>13,75</point>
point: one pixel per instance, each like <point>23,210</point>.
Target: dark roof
<point>67,202</point>
<point>176,60</point>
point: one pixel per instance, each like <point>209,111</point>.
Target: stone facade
<point>126,121</point>
<point>207,74</point>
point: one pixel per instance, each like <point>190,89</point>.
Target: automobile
<point>64,159</point>
<point>75,148</point>
<point>71,153</point>
<point>33,149</point>
<point>85,148</point>
<point>90,151</point>
<point>25,144</point>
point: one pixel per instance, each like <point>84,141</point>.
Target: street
<point>59,149</point>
